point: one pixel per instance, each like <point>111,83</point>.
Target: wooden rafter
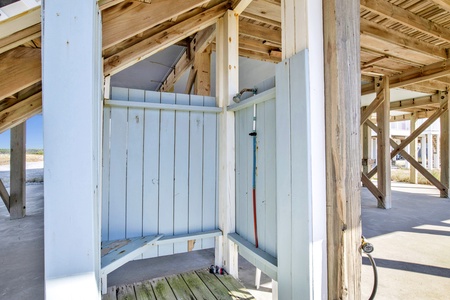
<point>20,37</point>
<point>239,6</point>
<point>266,8</point>
<point>19,22</point>
<point>400,39</point>
<point>260,32</point>
<point>20,111</point>
<point>406,18</point>
<point>444,4</point>
<point>201,40</point>
<point>261,19</point>
<point>161,40</point>
<point>19,68</point>
<point>127,19</point>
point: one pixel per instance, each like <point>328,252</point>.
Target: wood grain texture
<point>343,156</point>
<point>17,198</point>
<point>445,144</point>
<point>19,68</point>
<point>20,111</point>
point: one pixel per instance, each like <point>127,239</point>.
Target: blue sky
<point>34,134</point>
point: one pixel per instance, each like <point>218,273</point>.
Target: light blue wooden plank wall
<point>265,175</point>
<point>159,170</point>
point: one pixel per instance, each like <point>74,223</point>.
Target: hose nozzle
<point>366,246</point>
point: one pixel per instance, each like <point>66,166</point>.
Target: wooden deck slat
<point>126,292</point>
<point>179,287</point>
<point>144,291</point>
<point>197,286</point>
<point>111,294</point>
<point>162,289</point>
<point>236,289</point>
<point>215,286</point>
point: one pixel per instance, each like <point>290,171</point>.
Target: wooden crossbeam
<point>407,18</point>
<point>19,68</point>
<point>414,75</point>
<point>414,102</point>
<point>372,106</point>
<point>266,8</point>
<point>239,6</point>
<point>4,194</point>
<point>20,37</point>
<point>261,19</point>
<point>260,32</point>
<point>400,39</point>
<point>129,18</point>
<point>373,189</point>
<point>161,40</point>
<point>413,135</point>
<point>442,188</point>
<point>20,112</point>
<point>21,21</point>
<point>417,114</point>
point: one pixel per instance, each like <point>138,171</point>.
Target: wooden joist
<point>401,39</point>
<point>20,37</point>
<point>161,40</point>
<point>266,8</point>
<point>260,32</point>
<point>19,22</point>
<point>127,19</point>
<point>19,68</point>
<point>239,6</point>
<point>20,111</point>
<point>407,18</point>
<point>415,75</point>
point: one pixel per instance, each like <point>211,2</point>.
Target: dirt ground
<point>5,158</point>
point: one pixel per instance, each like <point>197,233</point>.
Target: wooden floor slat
<point>236,289</point>
<point>197,286</point>
<point>144,291</point>
<point>215,286</point>
<point>179,287</point>
<point>162,289</point>
<point>126,292</point>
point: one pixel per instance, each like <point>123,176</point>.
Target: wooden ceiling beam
<point>21,37</point>
<point>239,6</point>
<point>260,32</point>
<point>401,39</point>
<point>261,19</point>
<point>162,40</point>
<point>199,43</point>
<point>414,76</point>
<point>20,22</point>
<point>19,68</point>
<point>127,19</point>
<point>444,4</point>
<point>406,18</point>
<point>267,9</point>
<point>418,115</point>
<point>20,112</point>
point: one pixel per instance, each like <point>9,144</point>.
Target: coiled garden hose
<point>368,248</point>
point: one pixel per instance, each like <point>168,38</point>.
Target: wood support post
<point>366,144</point>
<point>227,72</point>
<point>413,150</point>
<point>383,147</point>
<point>72,68</point>
<point>202,67</point>
<point>342,81</point>
<point>445,144</point>
<point>17,199</point>
<point>300,153</point>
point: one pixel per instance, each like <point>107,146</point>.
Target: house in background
<point>141,93</point>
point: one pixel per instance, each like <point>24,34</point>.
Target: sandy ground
<point>34,161</point>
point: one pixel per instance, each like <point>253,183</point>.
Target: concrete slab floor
<point>411,249</point>
<point>411,242</point>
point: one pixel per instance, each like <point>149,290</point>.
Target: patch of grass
<point>402,175</point>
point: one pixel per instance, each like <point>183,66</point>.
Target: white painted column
<point>430,150</point>
<point>227,85</point>
<point>407,150</point>
<point>413,150</point>
<point>72,82</point>
<point>437,161</point>
<point>301,175</point>
<point>423,150</point>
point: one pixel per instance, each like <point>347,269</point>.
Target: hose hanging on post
<point>368,248</point>
<point>253,134</point>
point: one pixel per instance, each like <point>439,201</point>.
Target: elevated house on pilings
<point>136,150</point>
